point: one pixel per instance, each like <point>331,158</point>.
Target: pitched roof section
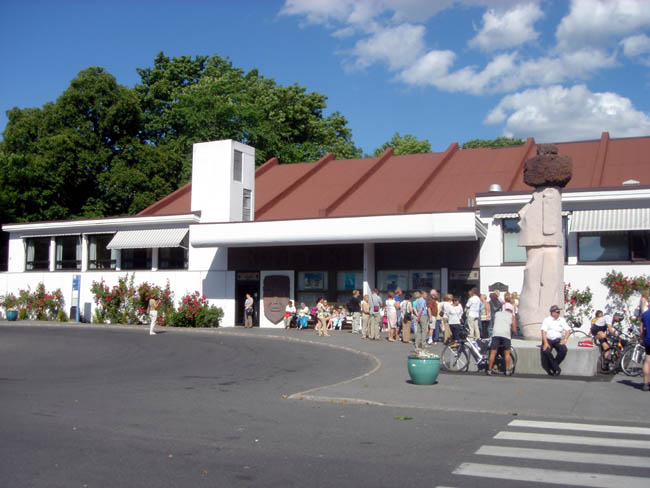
<point>417,183</point>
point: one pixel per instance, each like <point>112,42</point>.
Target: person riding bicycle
<point>505,326</point>
<point>603,326</point>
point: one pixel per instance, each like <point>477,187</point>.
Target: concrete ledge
<point>579,361</point>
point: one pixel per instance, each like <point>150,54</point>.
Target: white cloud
<point>504,72</point>
<point>507,29</point>
<point>594,22</point>
<point>397,46</point>
<point>556,114</point>
<point>637,47</point>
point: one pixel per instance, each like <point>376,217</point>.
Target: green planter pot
<point>424,371</point>
<point>12,315</point>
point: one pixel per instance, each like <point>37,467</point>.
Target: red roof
<point>417,183</point>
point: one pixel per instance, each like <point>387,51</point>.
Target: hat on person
<point>555,308</point>
<point>509,306</point>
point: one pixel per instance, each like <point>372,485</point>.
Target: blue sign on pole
<point>76,287</point>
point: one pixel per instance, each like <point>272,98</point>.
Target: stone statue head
<point>548,168</point>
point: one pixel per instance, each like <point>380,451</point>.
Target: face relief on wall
<point>276,297</point>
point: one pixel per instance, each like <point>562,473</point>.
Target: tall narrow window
<point>246,205</point>
<point>68,252</point>
<point>237,167</point>
<point>38,254</point>
<point>98,256</point>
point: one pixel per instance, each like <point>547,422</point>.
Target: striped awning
<point>515,215</point>
<point>139,239</point>
<point>611,220</point>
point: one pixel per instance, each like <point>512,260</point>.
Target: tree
<point>408,144</point>
<point>187,100</point>
<point>498,142</point>
<point>81,156</point>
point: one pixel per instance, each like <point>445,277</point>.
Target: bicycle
<point>632,359</point>
<point>455,355</point>
<point>577,334</point>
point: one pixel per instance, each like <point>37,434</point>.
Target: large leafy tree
<point>104,149</point>
<point>407,144</point>
<point>81,156</point>
<point>187,100</point>
<point>498,142</point>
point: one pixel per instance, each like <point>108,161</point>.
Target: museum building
<point>438,220</point>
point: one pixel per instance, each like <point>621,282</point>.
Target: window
<point>311,286</point>
<point>172,258</point>
<point>68,252</point>
<point>237,166</point>
<point>98,256</point>
<point>246,205</point>
<point>346,282</point>
<point>38,254</point>
<point>614,246</point>
<point>136,258</point>
<point>408,280</point>
<point>512,253</point>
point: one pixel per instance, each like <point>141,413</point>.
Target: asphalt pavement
<point>88,405</point>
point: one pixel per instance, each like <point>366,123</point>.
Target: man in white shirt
<point>473,310</point>
<point>555,332</point>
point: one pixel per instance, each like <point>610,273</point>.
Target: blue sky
<point>442,70</point>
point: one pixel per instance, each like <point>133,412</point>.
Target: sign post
<point>76,287</point>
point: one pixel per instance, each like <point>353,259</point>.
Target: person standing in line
<point>365,316</point>
<point>406,307</point>
<point>645,337</point>
<point>354,307</point>
<point>473,309</point>
<point>391,317</point>
<point>154,304</point>
<point>555,333</point>
<point>422,321</point>
<point>495,306</point>
<point>485,317</point>
<point>399,297</point>
<point>248,311</point>
<point>432,310</point>
<point>454,313</point>
<point>321,325</point>
<point>505,326</point>
<point>444,319</point>
<point>375,315</point>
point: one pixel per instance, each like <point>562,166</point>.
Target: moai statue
<point>541,234</point>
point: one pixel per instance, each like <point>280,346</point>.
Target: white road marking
<point>613,429</point>
<point>573,439</point>
<point>565,456</point>
<point>552,476</point>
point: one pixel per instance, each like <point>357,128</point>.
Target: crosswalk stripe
<point>573,439</point>
<point>565,456</point>
<point>552,476</point>
<point>613,429</point>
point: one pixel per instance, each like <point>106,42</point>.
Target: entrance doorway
<point>462,281</point>
<point>247,282</point>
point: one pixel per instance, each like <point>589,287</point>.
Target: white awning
<point>139,239</point>
<point>611,220</point>
<point>453,226</point>
<point>515,215</point>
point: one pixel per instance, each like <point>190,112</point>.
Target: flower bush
<point>194,311</point>
<point>9,301</point>
<point>621,287</point>
<point>37,305</point>
<point>125,303</point>
<point>577,304</point>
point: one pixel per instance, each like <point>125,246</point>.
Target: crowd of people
<point>431,319</point>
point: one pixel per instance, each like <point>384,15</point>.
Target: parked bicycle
<point>631,362</point>
<point>455,355</point>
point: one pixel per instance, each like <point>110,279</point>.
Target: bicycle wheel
<point>628,364</point>
<point>577,335</point>
<point>454,358</point>
<point>500,361</point>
